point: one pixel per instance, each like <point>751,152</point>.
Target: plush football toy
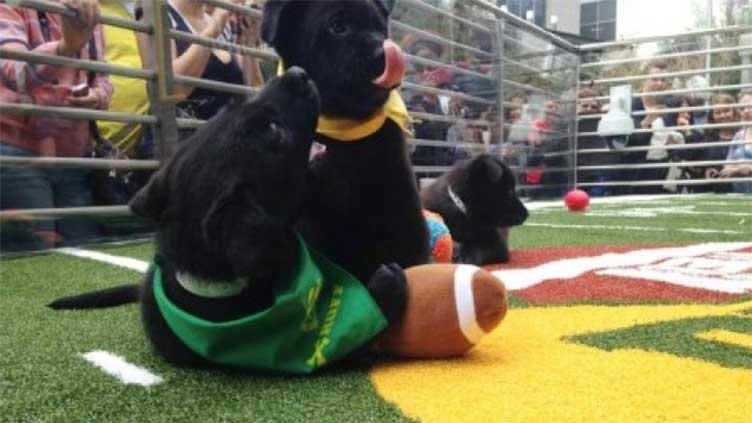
<point>449,309</point>
<point>442,245</point>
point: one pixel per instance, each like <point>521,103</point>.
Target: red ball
<point>577,200</point>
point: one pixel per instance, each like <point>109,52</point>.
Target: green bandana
<point>322,315</point>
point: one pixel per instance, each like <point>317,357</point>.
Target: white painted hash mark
<point>116,366</point>
<point>127,262</point>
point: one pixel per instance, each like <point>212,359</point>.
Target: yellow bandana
<point>353,130</point>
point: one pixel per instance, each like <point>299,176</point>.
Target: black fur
<point>225,204</point>
<point>105,298</point>
<point>486,186</point>
<point>364,208</point>
<point>233,187</point>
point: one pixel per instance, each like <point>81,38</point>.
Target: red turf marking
<point>596,288</point>
<point>536,256</point>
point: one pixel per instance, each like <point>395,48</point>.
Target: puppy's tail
<point>110,297</point>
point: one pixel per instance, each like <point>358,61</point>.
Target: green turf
<point>678,338</point>
<point>730,214</point>
<point>44,379</point>
<point>138,250</point>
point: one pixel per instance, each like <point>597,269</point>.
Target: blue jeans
<point>24,187</point>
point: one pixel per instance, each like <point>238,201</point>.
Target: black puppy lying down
<point>478,203</point>
<point>228,258</point>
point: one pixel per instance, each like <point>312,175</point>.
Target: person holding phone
<point>33,136</point>
<point>215,64</point>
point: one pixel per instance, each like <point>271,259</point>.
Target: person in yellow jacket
<point>130,95</point>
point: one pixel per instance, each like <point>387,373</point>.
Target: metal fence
<point>479,80</point>
<point>483,80</point>
<point>694,82</point>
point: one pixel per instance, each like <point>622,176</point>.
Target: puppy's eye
<point>338,26</point>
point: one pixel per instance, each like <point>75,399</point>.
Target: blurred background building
<point>598,19</point>
<point>594,20</point>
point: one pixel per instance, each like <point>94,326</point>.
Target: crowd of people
<point>468,126</point>
<point>82,37</point>
<point>661,124</point>
<point>534,133</point>
<point>536,129</point>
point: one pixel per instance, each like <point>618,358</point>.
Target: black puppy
<point>363,209</point>
<point>478,203</point>
<point>225,205</point>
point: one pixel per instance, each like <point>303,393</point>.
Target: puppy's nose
<point>297,78</point>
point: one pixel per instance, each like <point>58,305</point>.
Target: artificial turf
<point>44,379</point>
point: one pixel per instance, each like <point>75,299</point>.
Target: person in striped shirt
<point>81,37</point>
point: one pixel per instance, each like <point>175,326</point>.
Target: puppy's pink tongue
<point>394,69</point>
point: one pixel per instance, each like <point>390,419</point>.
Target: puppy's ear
<point>271,23</point>
<point>151,199</point>
<point>488,168</point>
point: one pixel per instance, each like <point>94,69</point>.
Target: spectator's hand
<point>647,122</point>
<point>89,101</point>
<point>77,31</point>
<point>728,172</point>
<point>731,171</point>
<point>219,18</point>
<point>249,31</point>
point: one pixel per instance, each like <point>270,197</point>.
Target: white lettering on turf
<point>515,279</point>
<point>725,272</point>
<point>116,366</point>
<point>127,262</point>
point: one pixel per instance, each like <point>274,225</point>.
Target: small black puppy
<point>478,203</point>
<point>225,205</point>
<point>364,209</point>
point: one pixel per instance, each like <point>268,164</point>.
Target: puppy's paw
<point>388,287</point>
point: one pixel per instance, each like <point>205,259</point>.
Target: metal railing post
<point>708,59</point>
<point>576,146</point>
<point>159,59</point>
<point>500,28</point>
<point>745,40</point>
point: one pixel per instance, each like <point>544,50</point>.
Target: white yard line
<point>656,211</point>
<point>116,366</point>
<point>638,228</point>
<point>126,262</point>
<point>537,205</point>
<point>571,268</point>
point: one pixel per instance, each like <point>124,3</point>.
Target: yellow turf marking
<point>525,372</point>
<point>739,339</point>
